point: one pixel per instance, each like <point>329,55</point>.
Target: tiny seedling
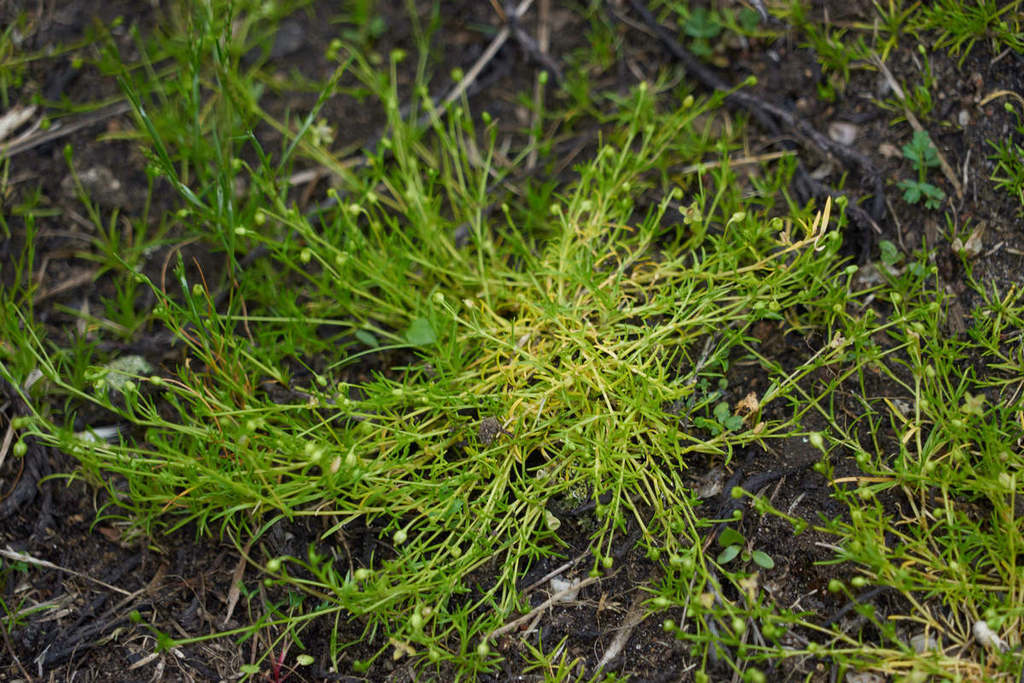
<point>724,420</point>
<point>703,26</point>
<point>923,155</point>
<point>733,545</point>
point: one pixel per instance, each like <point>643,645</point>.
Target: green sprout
<point>923,155</point>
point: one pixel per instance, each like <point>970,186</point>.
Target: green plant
<point>537,328</point>
<point>1008,155</point>
<point>721,418</point>
<point>452,351</point>
<point>836,49</point>
<point>555,666</point>
<point>735,545</point>
<point>12,614</point>
<point>892,18</point>
<point>960,25</point>
<point>16,608</point>
<point>923,155</point>
<point>702,26</point>
<point>363,24</point>
<point>916,99</point>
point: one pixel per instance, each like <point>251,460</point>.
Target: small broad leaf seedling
<point>923,155</point>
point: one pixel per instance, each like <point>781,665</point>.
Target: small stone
<point>823,171</point>
<point>290,38</point>
<point>923,643</point>
<point>864,677</point>
<point>559,585</point>
<point>889,151</point>
<point>711,484</point>
<point>882,86</point>
<point>842,132</point>
<point>987,637</point>
<point>489,430</point>
<point>99,184</point>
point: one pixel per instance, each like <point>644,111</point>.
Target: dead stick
<point>634,617</point>
<point>512,625</point>
<point>56,133</point>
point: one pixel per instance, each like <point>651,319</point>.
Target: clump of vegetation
<point>452,357</point>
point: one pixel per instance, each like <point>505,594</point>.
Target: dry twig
<point>554,598</point>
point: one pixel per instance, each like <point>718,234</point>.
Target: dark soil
<point>182,584</point>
